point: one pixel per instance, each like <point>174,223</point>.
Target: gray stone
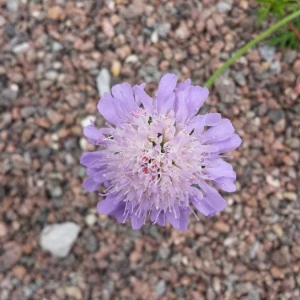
<point>56,46</point>
<point>12,5</point>
<point>223,7</point>
<point>160,288</point>
<point>275,115</point>
<point>103,82</point>
<point>56,191</point>
<point>225,87</point>
<point>275,67</point>
<point>163,29</point>
<point>58,239</point>
<point>239,78</point>
<point>253,295</point>
<point>289,56</point>
<point>267,52</point>
<point>24,47</point>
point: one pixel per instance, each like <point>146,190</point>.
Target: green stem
<point>252,43</point>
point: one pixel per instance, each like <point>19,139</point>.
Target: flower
<point>157,155</point>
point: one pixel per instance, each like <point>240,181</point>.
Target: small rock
<point>107,28</point>
<point>74,291</point>
<point>225,87</point>
<point>55,191</point>
<point>54,13</point>
<point>290,196</point>
<point>92,244</point>
<point>132,59</point>
<point>103,82</point>
<point>272,181</point>
<point>154,37</point>
<point>160,288</point>
<point>58,239</point>
<point>28,111</point>
<point>56,46</point>
<point>19,272</point>
<point>277,273</point>
<point>275,67</point>
<point>11,255</point>
<point>267,52</point>
<point>281,257</point>
<point>21,48</point>
<point>3,230</point>
<point>163,29</point>
<point>253,295</point>
<point>182,32</point>
<point>115,68</point>
<point>90,220</point>
<point>278,230</point>
<point>2,21</point>
<point>12,5</point>
<point>87,120</point>
<point>275,115</point>
<point>290,56</point>
<point>221,227</point>
<point>224,7</point>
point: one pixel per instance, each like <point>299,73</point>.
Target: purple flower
<point>157,155</point>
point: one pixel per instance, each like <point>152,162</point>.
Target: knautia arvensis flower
<point>157,155</point>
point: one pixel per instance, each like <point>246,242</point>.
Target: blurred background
<point>56,58</point>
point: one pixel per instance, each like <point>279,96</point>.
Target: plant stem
<point>294,29</point>
<point>249,45</point>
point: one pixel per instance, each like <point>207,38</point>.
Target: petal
<point>92,134</point>
<point>118,213</point>
<point>229,144</point>
<point>195,97</point>
<point>142,97</point>
<point>219,168</point>
<point>175,222</point>
<point>226,184</point>
<point>183,85</point>
<point>90,158</point>
<point>107,109</point>
<point>165,91</point>
<point>217,133</point>
<point>212,199</point>
<point>181,108</point>
<point>123,95</point>
<point>108,205</point>
<point>90,185</point>
<point>138,221</point>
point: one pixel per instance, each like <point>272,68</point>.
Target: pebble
<point>24,47</point>
<point>12,5</point>
<point>160,288</point>
<point>103,82</point>
<point>19,271</point>
<point>132,58</point>
<point>87,120</point>
<point>54,13</point>
<point>58,239</point>
<point>74,291</point>
<point>3,230</point>
<point>224,7</point>
<point>90,220</point>
<point>154,37</point>
<point>115,68</point>
<point>267,52</point>
<point>290,196</point>
<point>221,227</point>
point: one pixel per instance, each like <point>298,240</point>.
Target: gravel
<point>55,60</point>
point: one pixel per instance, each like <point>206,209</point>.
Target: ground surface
<point>50,55</point>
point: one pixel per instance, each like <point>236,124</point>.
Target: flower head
<point>157,155</point>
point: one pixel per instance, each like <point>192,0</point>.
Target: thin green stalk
<point>252,43</point>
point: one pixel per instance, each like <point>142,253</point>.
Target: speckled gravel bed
<point>51,53</point>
